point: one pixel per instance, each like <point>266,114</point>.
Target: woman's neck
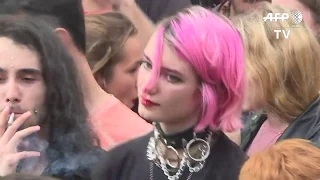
<point>276,122</point>
<point>173,127</point>
<point>178,139</point>
<point>94,95</point>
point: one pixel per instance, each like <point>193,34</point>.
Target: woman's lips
<point>147,103</point>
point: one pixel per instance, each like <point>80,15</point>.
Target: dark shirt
<point>74,167</point>
<point>69,166</point>
<point>156,10</point>
<point>129,162</point>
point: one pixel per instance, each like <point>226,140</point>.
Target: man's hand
<point>10,139</point>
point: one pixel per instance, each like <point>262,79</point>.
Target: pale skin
<point>234,136</point>
<point>176,91</point>
<point>123,82</point>
<point>22,89</point>
<point>10,139</point>
<point>145,29</point>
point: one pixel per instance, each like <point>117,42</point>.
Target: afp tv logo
<point>294,17</point>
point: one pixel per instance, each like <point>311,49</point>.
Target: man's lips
<point>17,112</point>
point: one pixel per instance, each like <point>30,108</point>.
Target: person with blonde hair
<point>283,80</point>
<point>294,159</point>
<point>114,53</point>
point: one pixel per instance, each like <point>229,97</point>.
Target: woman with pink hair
<point>191,86</point>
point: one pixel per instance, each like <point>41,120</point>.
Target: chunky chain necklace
<point>151,172</point>
<point>188,161</point>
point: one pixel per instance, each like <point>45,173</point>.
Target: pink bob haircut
<point>213,47</point>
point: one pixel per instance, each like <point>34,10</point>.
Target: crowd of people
<point>159,89</point>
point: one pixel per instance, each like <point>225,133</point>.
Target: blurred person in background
<point>231,8</point>
<point>114,54</point>
<point>294,159</point>
<point>155,10</point>
<point>310,10</point>
<point>100,105</point>
<point>283,80</point>
<point>206,3</point>
<point>145,26</point>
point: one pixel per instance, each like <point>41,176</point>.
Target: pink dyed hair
<point>214,49</point>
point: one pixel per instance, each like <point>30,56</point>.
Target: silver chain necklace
<point>156,157</point>
<point>151,172</point>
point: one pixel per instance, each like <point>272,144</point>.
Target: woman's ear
<point>101,81</point>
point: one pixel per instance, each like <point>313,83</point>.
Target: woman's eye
<point>173,78</point>
<point>146,64</point>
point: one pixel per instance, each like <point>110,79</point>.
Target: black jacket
<point>306,126</point>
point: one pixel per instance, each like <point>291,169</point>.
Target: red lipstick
<point>146,102</point>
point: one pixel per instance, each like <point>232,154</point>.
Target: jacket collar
<point>306,125</point>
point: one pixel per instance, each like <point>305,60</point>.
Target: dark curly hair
<point>65,112</point>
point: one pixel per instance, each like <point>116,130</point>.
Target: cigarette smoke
<point>65,163</point>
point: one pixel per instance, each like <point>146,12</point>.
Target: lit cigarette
<point>10,121</point>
